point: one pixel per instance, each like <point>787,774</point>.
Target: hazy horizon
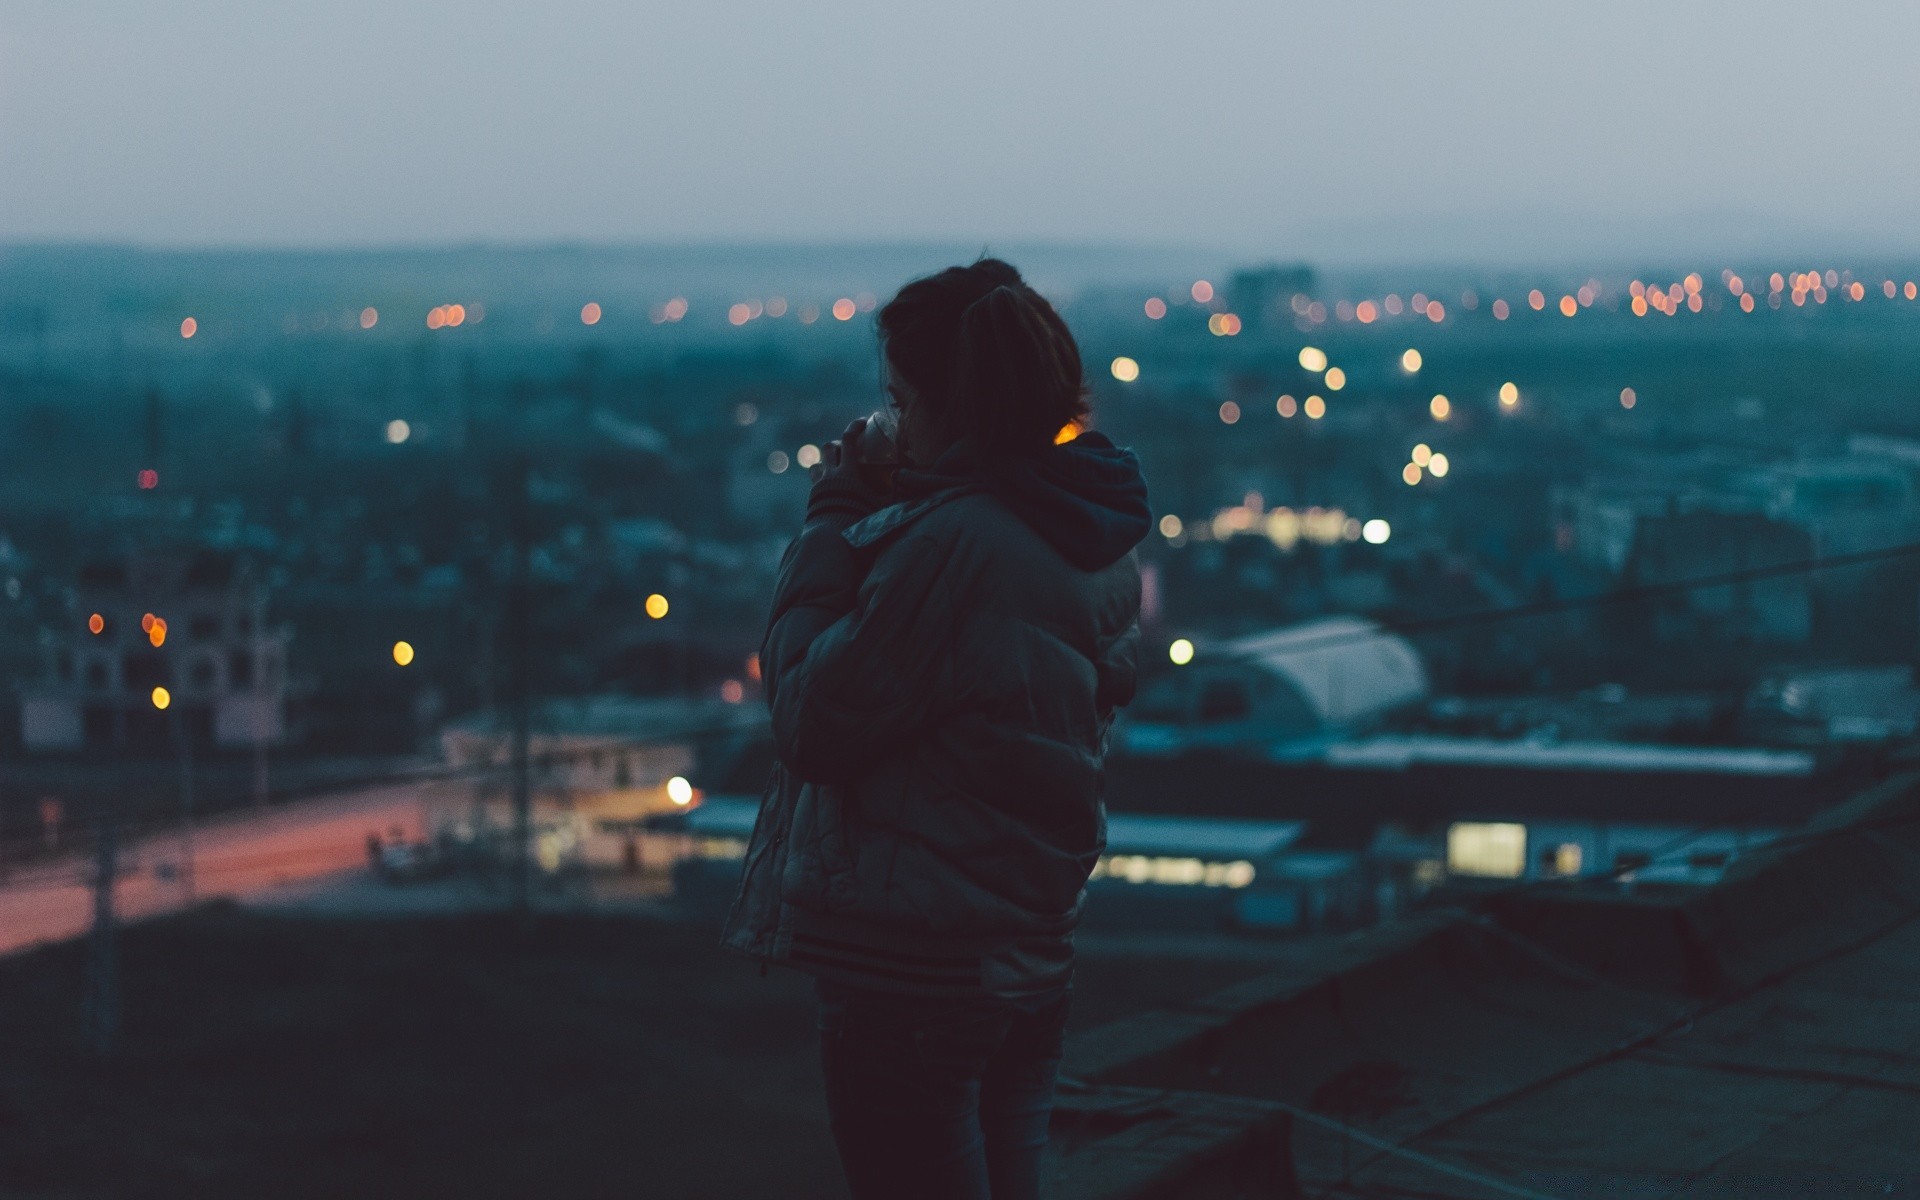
<point>1478,131</point>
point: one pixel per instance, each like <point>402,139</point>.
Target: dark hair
<point>977,337</point>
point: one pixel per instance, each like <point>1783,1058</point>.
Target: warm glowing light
<point>1068,432</point>
<point>1422,455</point>
<point>146,621</point>
<point>1336,379</point>
<point>1536,300</point>
<point>1568,306</point>
<point>733,691</point>
<point>157,633</point>
<point>656,606</point>
<point>1500,310</point>
<point>1911,290</point>
<point>1376,532</point>
<point>808,456</point>
<point>1367,311</point>
<point>1286,406</point>
<point>1170,526</point>
<point>1180,653</point>
<point>1315,408</point>
<point>457,315</point>
<point>1438,466</point>
<point>403,653</point>
<point>398,431</point>
<point>753,667</point>
<point>189,327</point>
<point>1125,369</point>
<point>148,479</point>
<point>1229,413</point>
<point>1156,308</point>
<point>1858,290</point>
<point>369,317</point>
<point>1746,302</point>
<point>777,462</point>
<point>1410,361</point>
<point>161,698</point>
<point>1440,407</point>
<point>1201,291</point>
<point>436,317</point>
<point>1410,473</point>
<point>1639,306</point>
<point>1312,358</point>
<point>96,624</point>
<point>680,791</point>
<point>590,313</point>
<point>844,308</point>
<point>1509,395</point>
<point>1627,398</point>
<point>1436,311</point>
<point>739,314</point>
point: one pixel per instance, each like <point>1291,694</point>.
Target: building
<point>161,643</point>
<point>1682,547</point>
<point>1263,297</point>
<point>1283,692</point>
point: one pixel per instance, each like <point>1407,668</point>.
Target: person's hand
<point>839,484</point>
<point>841,459</point>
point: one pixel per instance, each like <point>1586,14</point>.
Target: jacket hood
<point>1087,497</point>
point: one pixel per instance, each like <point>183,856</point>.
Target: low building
<point>160,644</point>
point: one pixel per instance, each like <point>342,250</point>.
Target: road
<point>236,855</point>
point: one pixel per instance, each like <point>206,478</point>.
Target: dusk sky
<point>1436,129</point>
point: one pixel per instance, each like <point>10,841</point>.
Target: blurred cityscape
<point>389,583</point>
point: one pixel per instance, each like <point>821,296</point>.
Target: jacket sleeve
<point>853,664</point>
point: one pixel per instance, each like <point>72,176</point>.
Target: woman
<point>950,636</point>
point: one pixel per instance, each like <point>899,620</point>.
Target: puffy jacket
<point>943,674</point>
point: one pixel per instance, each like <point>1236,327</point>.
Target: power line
<point>1627,595</point>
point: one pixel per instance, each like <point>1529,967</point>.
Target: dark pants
<point>940,1099</point>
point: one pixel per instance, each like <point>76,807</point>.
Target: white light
<point>1181,652</point>
<point>398,431</point>
<point>680,791</point>
<point>1376,532</point>
<point>807,456</point>
<point>1437,466</point>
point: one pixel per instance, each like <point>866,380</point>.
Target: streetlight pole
<point>519,649</point>
<point>184,744</point>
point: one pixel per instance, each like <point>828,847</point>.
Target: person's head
<point>974,351</point>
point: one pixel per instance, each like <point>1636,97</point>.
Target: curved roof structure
<point>1346,668</point>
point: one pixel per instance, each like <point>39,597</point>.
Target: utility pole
<point>519,650</point>
<point>100,1014</point>
<point>185,745</point>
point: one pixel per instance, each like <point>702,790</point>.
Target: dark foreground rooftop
<point>1761,1038</point>
<point>276,1057</point>
<point>1758,1039</point>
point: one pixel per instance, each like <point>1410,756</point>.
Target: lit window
<point>1563,859</point>
<point>1487,848</point>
